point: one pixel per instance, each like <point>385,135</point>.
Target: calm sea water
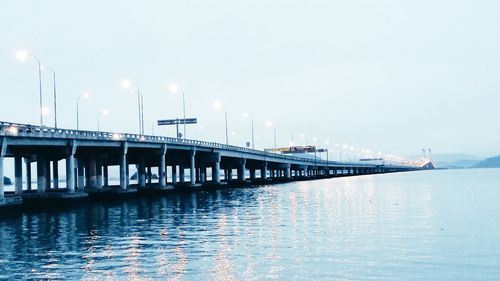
<point>434,225</point>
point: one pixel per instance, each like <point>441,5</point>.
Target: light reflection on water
<point>437,225</point>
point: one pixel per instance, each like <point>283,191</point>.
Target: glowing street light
<point>84,95</point>
<point>174,88</point>
<point>23,56</point>
<point>246,115</point>
<point>217,106</point>
<point>126,84</point>
<point>103,112</point>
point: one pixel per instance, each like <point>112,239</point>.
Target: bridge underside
<point>86,166</point>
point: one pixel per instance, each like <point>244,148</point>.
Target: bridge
<point>88,157</point>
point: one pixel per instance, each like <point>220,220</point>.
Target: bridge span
<point>87,157</point>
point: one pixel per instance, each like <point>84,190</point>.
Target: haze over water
<point>429,225</point>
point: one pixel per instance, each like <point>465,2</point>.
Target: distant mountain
<point>493,162</point>
<point>454,160</point>
<point>7,181</point>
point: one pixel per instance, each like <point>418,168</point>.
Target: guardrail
<point>34,131</point>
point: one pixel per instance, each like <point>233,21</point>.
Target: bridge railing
<point>27,130</point>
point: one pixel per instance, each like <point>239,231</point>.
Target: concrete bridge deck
<point>88,155</point>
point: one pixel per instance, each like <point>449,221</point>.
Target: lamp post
<point>126,84</point>
<point>84,95</point>
<point>174,88</point>
<point>43,67</point>
<point>218,105</point>
<point>23,56</point>
<point>270,124</point>
<point>103,112</point>
<point>246,115</point>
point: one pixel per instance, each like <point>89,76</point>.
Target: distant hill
<point>493,162</point>
<point>454,160</point>
<point>7,181</point>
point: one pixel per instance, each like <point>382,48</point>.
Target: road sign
<point>177,122</point>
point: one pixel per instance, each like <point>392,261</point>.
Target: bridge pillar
<point>181,174</point>
<point>3,151</point>
<point>70,170</point>
<point>241,169</point>
<point>203,174</point>
<point>141,172</point>
<point>123,167</point>
<point>229,174</point>
<point>252,174</point>
<point>174,174</point>
<point>27,162</point>
<point>149,175</point>
<point>161,169</point>
<point>18,174</point>
<point>193,166</point>
<point>47,174</point>
<point>81,175</point>
<point>40,172</point>
<point>197,172</point>
<point>99,179</point>
<point>92,173</point>
<point>263,171</point>
<point>55,174</point>
<point>287,172</point>
<point>105,172</point>
<point>216,171</point>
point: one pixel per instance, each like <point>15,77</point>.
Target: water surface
<point>433,225</point>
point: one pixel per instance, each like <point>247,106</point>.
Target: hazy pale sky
<point>388,75</point>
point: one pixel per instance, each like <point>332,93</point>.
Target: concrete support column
<point>55,174</point>
<point>92,173</point>
<point>123,168</point>
<point>127,171</point>
<point>241,170</point>
<point>149,174</point>
<point>47,174</point>
<point>18,174</point>
<point>81,175</point>
<point>252,174</point>
<point>28,173</point>
<point>99,180</point>
<point>105,173</point>
<point>181,174</point>
<point>174,174</point>
<point>287,172</point>
<point>203,174</point>
<point>70,172</point>
<point>40,172</point>
<point>161,169</point>
<point>230,174</point>
<point>192,168</point>
<point>198,172</point>
<point>216,172</point>
<point>2,188</point>
<point>141,172</point>
<point>263,171</point>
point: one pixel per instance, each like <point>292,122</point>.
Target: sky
<point>388,75</point>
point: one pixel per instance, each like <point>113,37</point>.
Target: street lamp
<point>84,95</point>
<point>103,112</point>
<point>23,56</point>
<point>217,106</point>
<point>269,124</point>
<point>174,88</point>
<point>246,115</point>
<point>126,84</point>
<point>43,67</point>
